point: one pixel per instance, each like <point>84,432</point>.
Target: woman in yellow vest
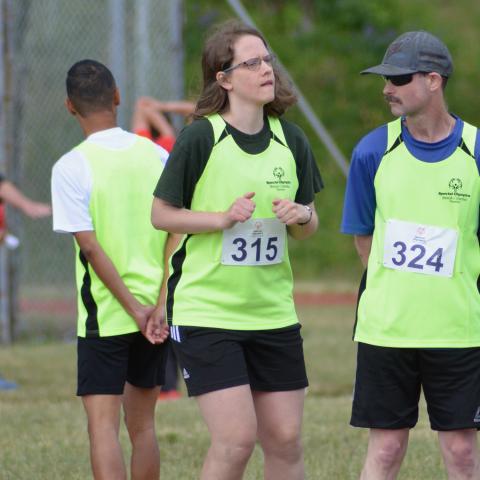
<point>238,180</point>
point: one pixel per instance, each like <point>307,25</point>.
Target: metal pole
<point>117,52</point>
<point>142,53</point>
<point>6,333</point>
<point>177,84</point>
<point>15,145</point>
<point>303,103</point>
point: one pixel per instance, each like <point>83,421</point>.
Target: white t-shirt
<point>72,181</point>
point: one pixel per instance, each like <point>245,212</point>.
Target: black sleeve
<point>309,178</point>
<point>185,164</point>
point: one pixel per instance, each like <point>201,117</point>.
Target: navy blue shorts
<point>106,363</point>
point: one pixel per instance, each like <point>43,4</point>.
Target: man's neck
<point>430,127</point>
<point>97,122</point>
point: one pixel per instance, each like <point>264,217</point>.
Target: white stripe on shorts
<point>175,333</point>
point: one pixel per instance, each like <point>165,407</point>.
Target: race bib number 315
<point>259,241</point>
<point>426,249</point>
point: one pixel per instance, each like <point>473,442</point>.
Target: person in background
<point>11,195</point>
<point>151,119</point>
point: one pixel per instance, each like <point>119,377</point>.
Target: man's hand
<point>157,330</point>
<point>240,211</point>
<point>290,213</point>
<point>141,314</point>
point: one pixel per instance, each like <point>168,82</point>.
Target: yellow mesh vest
<point>120,206</point>
<point>409,309</point>
<point>203,291</point>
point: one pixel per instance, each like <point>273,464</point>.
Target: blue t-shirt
<point>360,203</point>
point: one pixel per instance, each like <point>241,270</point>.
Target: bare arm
<point>181,107</point>
<point>181,220</point>
<point>13,196</point>
<point>139,118</point>
<point>157,120</point>
<point>148,113</point>
<point>156,323</point>
<point>292,214</point>
<point>108,274</point>
<point>363,244</point>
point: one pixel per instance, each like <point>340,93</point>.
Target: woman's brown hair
<point>217,55</point>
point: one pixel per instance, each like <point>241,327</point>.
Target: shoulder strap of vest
<point>277,130</point>
<point>468,140</point>
<point>394,135</point>
<point>88,148</point>
<point>219,126</point>
<point>81,146</point>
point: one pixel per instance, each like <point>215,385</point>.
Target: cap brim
<point>386,69</point>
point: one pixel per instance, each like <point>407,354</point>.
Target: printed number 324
<point>434,260</point>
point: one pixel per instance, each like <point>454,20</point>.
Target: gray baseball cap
<point>415,52</point>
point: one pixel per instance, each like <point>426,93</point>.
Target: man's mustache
<point>392,99</point>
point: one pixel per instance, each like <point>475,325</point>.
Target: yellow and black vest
<point>409,301</point>
<point>202,291</point>
<point>120,206</point>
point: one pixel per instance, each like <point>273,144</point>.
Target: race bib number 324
<point>426,249</point>
<point>259,241</point>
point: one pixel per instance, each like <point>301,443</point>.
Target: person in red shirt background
<point>150,119</point>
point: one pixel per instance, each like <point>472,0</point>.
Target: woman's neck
<point>246,118</point>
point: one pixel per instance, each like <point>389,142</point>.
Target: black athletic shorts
<point>389,380</point>
<point>106,363</point>
<point>213,358</point>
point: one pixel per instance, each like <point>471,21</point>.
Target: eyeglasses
<point>253,64</point>
<point>399,80</point>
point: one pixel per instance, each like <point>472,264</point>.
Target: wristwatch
<point>310,213</point>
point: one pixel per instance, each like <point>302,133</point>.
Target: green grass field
<point>43,430</point>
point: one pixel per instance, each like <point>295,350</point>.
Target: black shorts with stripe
<point>213,358</point>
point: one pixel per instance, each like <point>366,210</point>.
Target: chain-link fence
<point>140,40</point>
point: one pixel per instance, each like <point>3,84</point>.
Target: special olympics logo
<point>278,172</point>
<point>455,184</point>
<point>258,225</point>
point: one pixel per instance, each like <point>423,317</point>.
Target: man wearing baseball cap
<point>412,204</point>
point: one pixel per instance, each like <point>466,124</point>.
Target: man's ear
<point>70,107</point>
<point>224,81</point>
<point>116,97</point>
<point>436,81</point>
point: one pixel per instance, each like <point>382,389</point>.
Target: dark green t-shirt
<point>194,146</point>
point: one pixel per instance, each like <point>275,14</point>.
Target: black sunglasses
<point>399,80</point>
